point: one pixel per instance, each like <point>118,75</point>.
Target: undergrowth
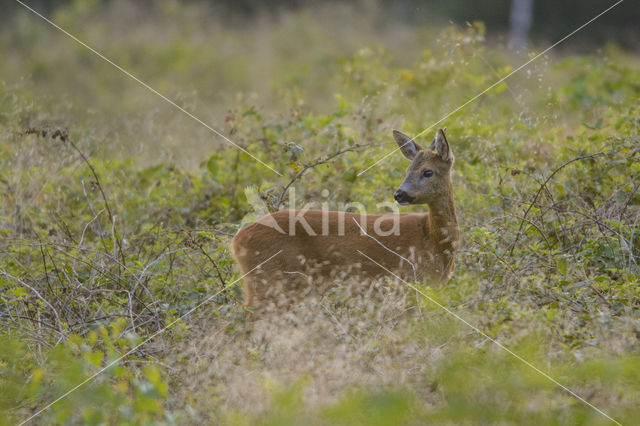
<point>107,235</point>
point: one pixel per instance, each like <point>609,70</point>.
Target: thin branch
<point>543,186</point>
<point>316,163</point>
<point>64,137</point>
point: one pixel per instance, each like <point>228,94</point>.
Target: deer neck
<point>443,224</point>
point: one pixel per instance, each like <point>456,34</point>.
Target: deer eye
<point>427,173</point>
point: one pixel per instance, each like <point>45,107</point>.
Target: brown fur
<point>427,240</point>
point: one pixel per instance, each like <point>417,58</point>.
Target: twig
<point>64,137</point>
<point>316,163</point>
<point>45,301</point>
<point>213,263</point>
<point>344,330</point>
<point>542,187</point>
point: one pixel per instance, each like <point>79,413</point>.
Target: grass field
<point>116,210</point>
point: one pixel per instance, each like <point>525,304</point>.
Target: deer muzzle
<point>403,198</point>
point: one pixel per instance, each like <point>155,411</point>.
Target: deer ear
<point>441,146</point>
<point>407,145</point>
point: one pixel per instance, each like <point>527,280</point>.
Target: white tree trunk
<point>520,20</point>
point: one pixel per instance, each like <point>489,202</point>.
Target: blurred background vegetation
<point>116,210</point>
<point>549,19</point>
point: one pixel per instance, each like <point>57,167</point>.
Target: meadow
<point>116,210</point>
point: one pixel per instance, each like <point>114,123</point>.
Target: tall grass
<point>116,210</point>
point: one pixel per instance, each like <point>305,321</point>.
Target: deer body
<point>318,244</point>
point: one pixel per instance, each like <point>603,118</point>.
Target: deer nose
<point>402,197</point>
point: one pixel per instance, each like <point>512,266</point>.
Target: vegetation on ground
<point>116,210</point>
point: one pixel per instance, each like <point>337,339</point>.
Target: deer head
<point>428,177</point>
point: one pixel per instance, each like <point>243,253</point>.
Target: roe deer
<point>321,244</point>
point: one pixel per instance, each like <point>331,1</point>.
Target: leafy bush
<point>115,216</point>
